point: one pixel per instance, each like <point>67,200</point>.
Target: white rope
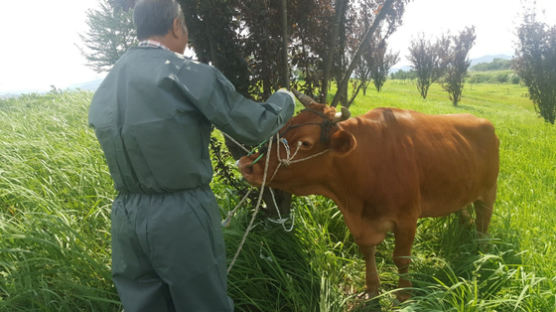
<point>236,142</point>
<point>286,162</point>
<point>250,226</point>
<point>289,159</point>
<point>280,220</point>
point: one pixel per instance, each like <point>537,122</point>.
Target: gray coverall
<point>152,116</point>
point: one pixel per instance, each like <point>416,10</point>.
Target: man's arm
<point>216,98</point>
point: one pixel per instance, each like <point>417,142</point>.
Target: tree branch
<point>387,6</point>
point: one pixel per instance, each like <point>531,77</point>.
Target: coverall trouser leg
<point>168,252</point>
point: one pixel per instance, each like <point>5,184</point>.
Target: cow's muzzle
<point>249,171</point>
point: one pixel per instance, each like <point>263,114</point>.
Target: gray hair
<point>155,17</point>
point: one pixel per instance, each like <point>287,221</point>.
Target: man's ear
<point>342,143</point>
<point>176,27</point>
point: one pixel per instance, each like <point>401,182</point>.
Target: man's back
<point>151,116</point>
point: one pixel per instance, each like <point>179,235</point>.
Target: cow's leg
<point>404,235</point>
<point>371,277</point>
<point>465,216</point>
<point>483,210</point>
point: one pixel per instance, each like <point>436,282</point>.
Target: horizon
<point>96,82</point>
<point>55,32</point>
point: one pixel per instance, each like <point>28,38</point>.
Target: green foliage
<point>496,64</point>
<point>535,63</point>
<point>457,63</point>
<point>499,76</point>
<point>55,196</point>
<point>401,74</point>
<point>111,32</point>
<point>380,68</point>
<point>428,61</point>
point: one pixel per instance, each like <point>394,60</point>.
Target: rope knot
<point>285,162</point>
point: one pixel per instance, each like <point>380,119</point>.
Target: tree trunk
<point>331,51</point>
<point>285,68</point>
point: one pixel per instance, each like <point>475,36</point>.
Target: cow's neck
<point>346,183</point>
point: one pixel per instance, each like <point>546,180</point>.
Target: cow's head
<point>307,146</point>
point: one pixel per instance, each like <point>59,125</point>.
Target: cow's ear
<point>342,142</point>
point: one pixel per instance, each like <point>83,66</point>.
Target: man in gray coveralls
<point>152,116</point>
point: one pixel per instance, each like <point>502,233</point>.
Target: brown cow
<point>384,170</point>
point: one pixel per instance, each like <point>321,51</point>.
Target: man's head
<point>163,21</point>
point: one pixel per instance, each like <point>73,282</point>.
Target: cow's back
<point>453,159</point>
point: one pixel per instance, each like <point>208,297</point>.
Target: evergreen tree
<point>111,32</point>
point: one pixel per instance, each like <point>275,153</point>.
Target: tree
<point>428,61</point>
<point>457,63</point>
<point>214,34</point>
<point>333,50</point>
<point>379,63</point>
<point>285,73</point>
<point>535,63</point>
<point>110,34</point>
<point>387,17</point>
<point>362,73</point>
<point>374,65</point>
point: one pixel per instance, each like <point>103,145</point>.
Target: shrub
<point>502,77</point>
<point>496,64</point>
<point>535,63</point>
<point>515,79</point>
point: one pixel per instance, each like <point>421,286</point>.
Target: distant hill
<point>490,58</point>
<point>16,93</point>
<point>496,64</point>
<point>7,95</point>
<point>475,61</point>
<point>86,86</point>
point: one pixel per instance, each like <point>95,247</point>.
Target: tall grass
<point>55,196</point>
<point>54,208</point>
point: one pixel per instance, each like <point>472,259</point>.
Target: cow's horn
<point>304,99</point>
<point>342,115</point>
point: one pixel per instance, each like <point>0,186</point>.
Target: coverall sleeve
<point>245,120</point>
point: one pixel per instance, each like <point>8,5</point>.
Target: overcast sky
<point>39,37</point>
<point>495,22</point>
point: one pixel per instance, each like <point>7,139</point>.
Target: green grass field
<point>55,196</point>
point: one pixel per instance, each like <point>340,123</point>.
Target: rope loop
<point>281,162</point>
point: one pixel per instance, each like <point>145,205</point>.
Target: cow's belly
<point>368,232</point>
<point>443,194</point>
<point>440,208</point>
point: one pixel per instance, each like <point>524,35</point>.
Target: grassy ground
<point>55,195</point>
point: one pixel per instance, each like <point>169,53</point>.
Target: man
<point>152,116</point>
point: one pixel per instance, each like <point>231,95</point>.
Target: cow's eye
<point>305,144</point>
